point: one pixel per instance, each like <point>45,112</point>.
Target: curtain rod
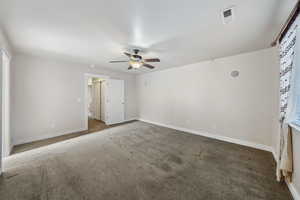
<point>292,17</point>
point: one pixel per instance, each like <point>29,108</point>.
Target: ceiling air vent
<point>228,15</point>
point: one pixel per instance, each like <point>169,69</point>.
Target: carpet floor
<point>141,161</point>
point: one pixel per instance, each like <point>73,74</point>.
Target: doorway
<point>96,104</point>
<point>104,101</point>
<point>110,116</point>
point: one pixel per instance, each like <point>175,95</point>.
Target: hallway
<point>96,125</point>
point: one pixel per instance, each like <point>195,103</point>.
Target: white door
<point>115,101</point>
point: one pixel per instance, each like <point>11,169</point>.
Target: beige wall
<point>204,97</point>
<point>47,97</point>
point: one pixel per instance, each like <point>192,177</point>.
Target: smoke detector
<point>228,15</point>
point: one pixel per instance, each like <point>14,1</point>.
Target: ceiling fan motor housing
<point>136,57</point>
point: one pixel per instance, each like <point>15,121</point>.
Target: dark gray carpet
<point>140,161</point>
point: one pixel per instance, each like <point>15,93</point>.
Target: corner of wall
<point>4,42</point>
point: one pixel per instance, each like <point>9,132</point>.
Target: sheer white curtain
<point>288,97</point>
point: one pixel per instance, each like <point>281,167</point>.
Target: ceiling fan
<point>136,61</point>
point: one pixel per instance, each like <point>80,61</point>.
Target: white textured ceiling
<point>179,32</point>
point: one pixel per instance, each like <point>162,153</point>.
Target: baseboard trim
<point>295,193</point>
<point>131,119</point>
<point>293,190</point>
<point>46,136</point>
<point>214,136</point>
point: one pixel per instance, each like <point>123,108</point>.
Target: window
<point>296,90</point>
<point>290,75</point>
<point>295,83</point>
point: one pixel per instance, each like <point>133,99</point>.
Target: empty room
<point>150,100</point>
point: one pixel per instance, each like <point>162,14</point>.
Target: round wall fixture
<point>235,73</point>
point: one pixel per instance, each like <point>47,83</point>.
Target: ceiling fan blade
<point>127,54</point>
<point>129,68</point>
<point>118,61</point>
<point>152,60</point>
<point>148,66</point>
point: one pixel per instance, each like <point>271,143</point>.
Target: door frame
<point>5,108</point>
<point>86,78</point>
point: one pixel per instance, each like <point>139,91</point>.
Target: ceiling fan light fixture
<point>136,61</point>
<point>135,64</point>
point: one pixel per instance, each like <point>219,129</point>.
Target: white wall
<point>47,97</point>
<point>204,97</point>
